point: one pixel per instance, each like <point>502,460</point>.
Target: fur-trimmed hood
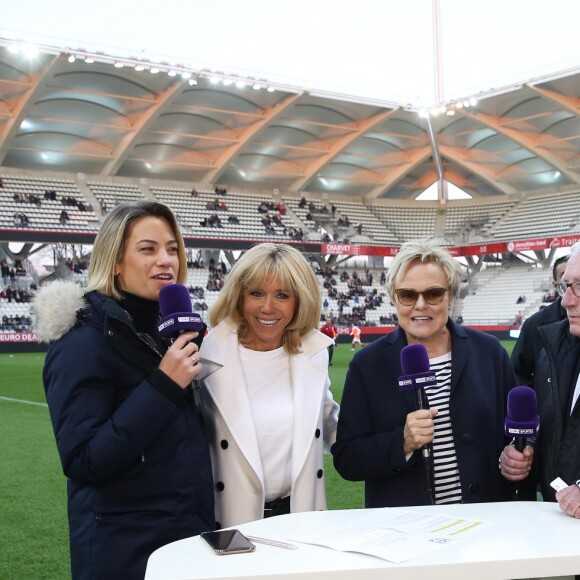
<point>54,309</point>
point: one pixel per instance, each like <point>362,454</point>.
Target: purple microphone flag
<point>415,365</point>
<point>522,413</point>
<point>177,314</point>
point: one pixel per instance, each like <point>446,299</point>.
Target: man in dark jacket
<point>527,349</point>
<point>557,386</point>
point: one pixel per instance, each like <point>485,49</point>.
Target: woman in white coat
<point>265,388</point>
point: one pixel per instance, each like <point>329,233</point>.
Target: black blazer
<point>369,445</point>
<point>527,350</point>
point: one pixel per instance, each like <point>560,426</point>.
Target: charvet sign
<point>477,250</point>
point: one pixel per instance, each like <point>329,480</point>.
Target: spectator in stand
<point>355,332</point>
<point>5,269</point>
<point>465,421</point>
<point>527,350</point>
<point>64,217</point>
<point>325,308</point>
<point>329,328</point>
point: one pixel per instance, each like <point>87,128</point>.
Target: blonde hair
<point>425,251</point>
<point>252,269</point>
<point>110,243</point>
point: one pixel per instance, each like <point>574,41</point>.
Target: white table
<point>528,540</point>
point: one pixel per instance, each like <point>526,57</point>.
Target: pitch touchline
<point>24,402</point>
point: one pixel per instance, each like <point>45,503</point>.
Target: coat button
<point>466,437</point>
<point>317,433</point>
<point>220,486</point>
<point>319,473</point>
<point>224,444</point>
<point>474,488</point>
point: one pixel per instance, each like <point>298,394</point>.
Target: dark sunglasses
<point>408,297</point>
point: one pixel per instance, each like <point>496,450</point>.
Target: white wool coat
<point>237,466</point>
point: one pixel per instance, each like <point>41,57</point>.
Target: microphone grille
<point>414,359</point>
<point>174,298</point>
<point>522,405</point>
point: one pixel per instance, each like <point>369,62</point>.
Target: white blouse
<point>267,375</point>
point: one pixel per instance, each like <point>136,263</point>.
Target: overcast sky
<point>380,49</point>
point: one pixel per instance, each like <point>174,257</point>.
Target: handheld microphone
<point>177,317</point>
<point>418,375</point>
<point>177,314</point>
<point>522,418</point>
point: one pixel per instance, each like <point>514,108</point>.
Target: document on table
<point>396,537</point>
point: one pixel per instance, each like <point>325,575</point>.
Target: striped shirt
<point>447,485</point>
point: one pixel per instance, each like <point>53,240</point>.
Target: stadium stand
<point>408,222</point>
<point>540,215</point>
<point>470,223</point>
<point>492,294</point>
<point>42,200</point>
<point>110,194</point>
<point>193,209</point>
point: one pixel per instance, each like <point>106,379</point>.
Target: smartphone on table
<point>228,542</point>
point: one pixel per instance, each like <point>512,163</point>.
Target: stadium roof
<point>61,112</point>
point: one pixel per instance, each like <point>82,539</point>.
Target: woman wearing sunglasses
<point>381,431</point>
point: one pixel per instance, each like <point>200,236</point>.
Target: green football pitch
<point>33,521</point>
